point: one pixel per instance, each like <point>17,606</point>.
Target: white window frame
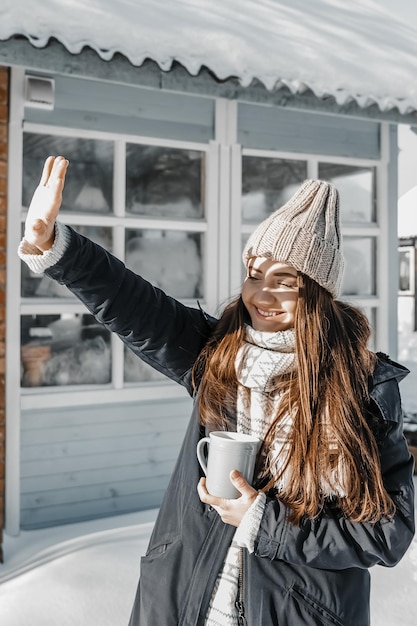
<point>119,221</point>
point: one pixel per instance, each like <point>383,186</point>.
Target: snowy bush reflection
<point>171,260</point>
<point>64,350</point>
<point>89,183</point>
<point>164,182</point>
<point>267,184</point>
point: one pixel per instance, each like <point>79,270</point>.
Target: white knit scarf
<point>262,358</point>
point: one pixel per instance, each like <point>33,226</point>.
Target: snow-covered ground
<point>76,575</point>
<point>86,575</point>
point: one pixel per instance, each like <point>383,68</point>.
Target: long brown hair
<point>327,396</point>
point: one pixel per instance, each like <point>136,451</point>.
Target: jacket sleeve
<point>333,542</point>
<point>160,330</point>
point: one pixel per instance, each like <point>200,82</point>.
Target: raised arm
<point>45,205</point>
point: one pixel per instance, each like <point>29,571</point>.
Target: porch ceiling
<point>354,51</point>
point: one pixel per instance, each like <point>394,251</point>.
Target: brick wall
<point>4,115</point>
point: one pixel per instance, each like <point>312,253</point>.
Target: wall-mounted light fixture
<point>39,92</point>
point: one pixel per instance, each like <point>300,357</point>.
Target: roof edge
<point>88,63</point>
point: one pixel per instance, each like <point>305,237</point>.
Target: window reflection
<point>164,182</point>
<point>41,286</point>
<point>171,260</point>
<point>136,371</point>
<point>356,186</point>
<point>359,274</point>
<point>89,180</point>
<point>64,350</point>
<point>371,313</point>
<point>267,184</point>
<point>407,270</point>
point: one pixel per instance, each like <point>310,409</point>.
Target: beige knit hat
<point>304,233</point>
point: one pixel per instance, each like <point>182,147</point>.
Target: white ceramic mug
<point>227,451</point>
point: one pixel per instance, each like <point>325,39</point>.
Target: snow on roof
<point>350,50</point>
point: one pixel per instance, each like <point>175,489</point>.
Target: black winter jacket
<point>314,573</point>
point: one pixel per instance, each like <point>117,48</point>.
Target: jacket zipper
<point>239,602</point>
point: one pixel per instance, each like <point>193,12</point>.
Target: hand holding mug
<point>231,511</point>
<point>227,451</point>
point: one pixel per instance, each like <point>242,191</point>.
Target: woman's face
<point>270,294</point>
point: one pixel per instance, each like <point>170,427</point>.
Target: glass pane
<point>171,260</point>
<point>356,187</point>
<point>89,180</point>
<point>41,286</point>
<point>406,265</point>
<point>267,184</point>
<point>64,350</point>
<point>359,275</point>
<point>136,371</point>
<point>370,313</point>
<point>164,182</point>
<point>244,239</point>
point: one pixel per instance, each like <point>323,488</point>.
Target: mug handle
<point>200,455</point>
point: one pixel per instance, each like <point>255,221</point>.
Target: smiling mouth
<point>267,313</point>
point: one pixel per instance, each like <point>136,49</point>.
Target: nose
<point>266,296</point>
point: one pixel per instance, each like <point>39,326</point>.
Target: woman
<point>333,493</point>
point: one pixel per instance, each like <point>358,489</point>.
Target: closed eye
<point>288,285</point>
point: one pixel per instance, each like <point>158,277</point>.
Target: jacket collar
<point>386,369</point>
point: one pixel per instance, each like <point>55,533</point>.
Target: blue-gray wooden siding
<point>84,462</point>
<point>95,105</point>
<point>274,128</point>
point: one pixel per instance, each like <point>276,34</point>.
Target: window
<point>157,222</point>
<point>407,272</point>
<point>267,183</point>
<point>356,184</point>
<point>359,278</point>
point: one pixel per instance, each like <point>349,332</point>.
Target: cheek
<point>291,306</point>
<point>245,293</point>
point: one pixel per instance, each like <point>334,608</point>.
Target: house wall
<point>102,458</point>
<point>4,99</point>
<point>77,461</point>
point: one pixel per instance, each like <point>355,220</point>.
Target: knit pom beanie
<point>305,233</point>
